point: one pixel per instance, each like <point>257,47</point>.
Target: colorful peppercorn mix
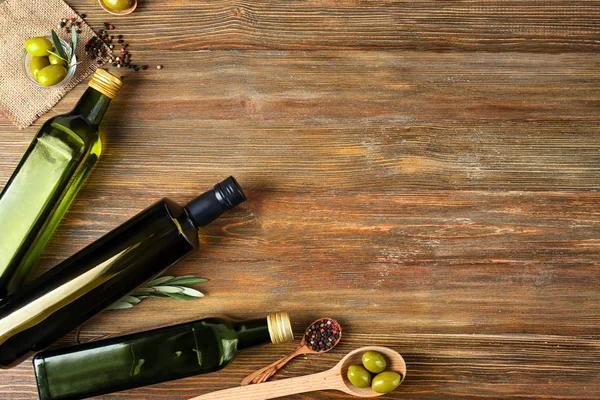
<point>323,334</point>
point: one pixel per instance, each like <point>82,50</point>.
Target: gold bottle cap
<point>106,83</point>
<point>280,327</point>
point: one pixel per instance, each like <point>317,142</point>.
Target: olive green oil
<point>47,179</point>
<point>151,357</point>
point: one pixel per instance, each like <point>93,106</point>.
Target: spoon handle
<point>265,373</point>
<point>270,390</point>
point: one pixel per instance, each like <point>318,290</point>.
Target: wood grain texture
<point>498,25</point>
<point>427,173</point>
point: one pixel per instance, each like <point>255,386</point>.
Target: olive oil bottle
<point>75,290</point>
<point>145,358</point>
<point>48,178</point>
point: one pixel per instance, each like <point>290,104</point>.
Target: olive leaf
<point>164,287</point>
<point>58,46</point>
<point>65,54</point>
<point>187,280</point>
<point>73,41</point>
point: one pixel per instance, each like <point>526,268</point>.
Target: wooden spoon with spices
<point>332,379</point>
<point>320,336</point>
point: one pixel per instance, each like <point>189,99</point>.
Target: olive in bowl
<point>46,71</point>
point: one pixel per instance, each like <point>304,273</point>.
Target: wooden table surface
<point>426,172</point>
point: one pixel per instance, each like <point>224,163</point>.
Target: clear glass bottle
<point>150,357</point>
<point>69,294</point>
<point>47,179</point>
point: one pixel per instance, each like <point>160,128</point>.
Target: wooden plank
<point>282,156</point>
<point>499,25</point>
<point>439,366</point>
<point>445,261</point>
<point>367,86</point>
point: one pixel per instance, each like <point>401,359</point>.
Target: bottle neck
<point>252,333</point>
<point>92,106</point>
<point>210,205</point>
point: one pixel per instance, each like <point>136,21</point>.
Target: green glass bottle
<point>145,358</point>
<point>84,284</point>
<point>47,180</point>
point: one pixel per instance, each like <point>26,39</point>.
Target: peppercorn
<point>144,67</point>
<point>83,16</point>
<point>159,67</point>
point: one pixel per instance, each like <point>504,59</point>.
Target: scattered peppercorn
<point>159,67</point>
<point>83,16</point>
<point>323,335</point>
<point>144,67</point>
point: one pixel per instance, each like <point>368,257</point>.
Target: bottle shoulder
<point>72,128</point>
<point>182,220</point>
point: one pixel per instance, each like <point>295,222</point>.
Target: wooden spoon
<point>332,379</point>
<point>305,347</point>
<point>118,12</point>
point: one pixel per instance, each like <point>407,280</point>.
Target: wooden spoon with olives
<point>320,336</point>
<point>332,379</point>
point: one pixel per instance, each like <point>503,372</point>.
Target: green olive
<point>55,60</point>
<point>374,362</point>
<point>38,46</point>
<point>118,4</point>
<point>386,381</point>
<point>36,64</point>
<point>359,376</point>
<point>51,75</point>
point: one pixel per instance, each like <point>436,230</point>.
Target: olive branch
<point>65,53</point>
<point>164,287</point>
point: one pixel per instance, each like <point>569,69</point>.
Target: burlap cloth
<point>19,20</point>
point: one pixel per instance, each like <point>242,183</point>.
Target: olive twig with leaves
<point>165,287</point>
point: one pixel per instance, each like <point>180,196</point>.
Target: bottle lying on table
<point>145,358</point>
<point>48,178</point>
<point>80,287</point>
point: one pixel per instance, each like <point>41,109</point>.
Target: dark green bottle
<point>145,358</point>
<point>83,285</point>
<point>47,179</point>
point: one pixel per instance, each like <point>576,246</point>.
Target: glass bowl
<point>26,60</point>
